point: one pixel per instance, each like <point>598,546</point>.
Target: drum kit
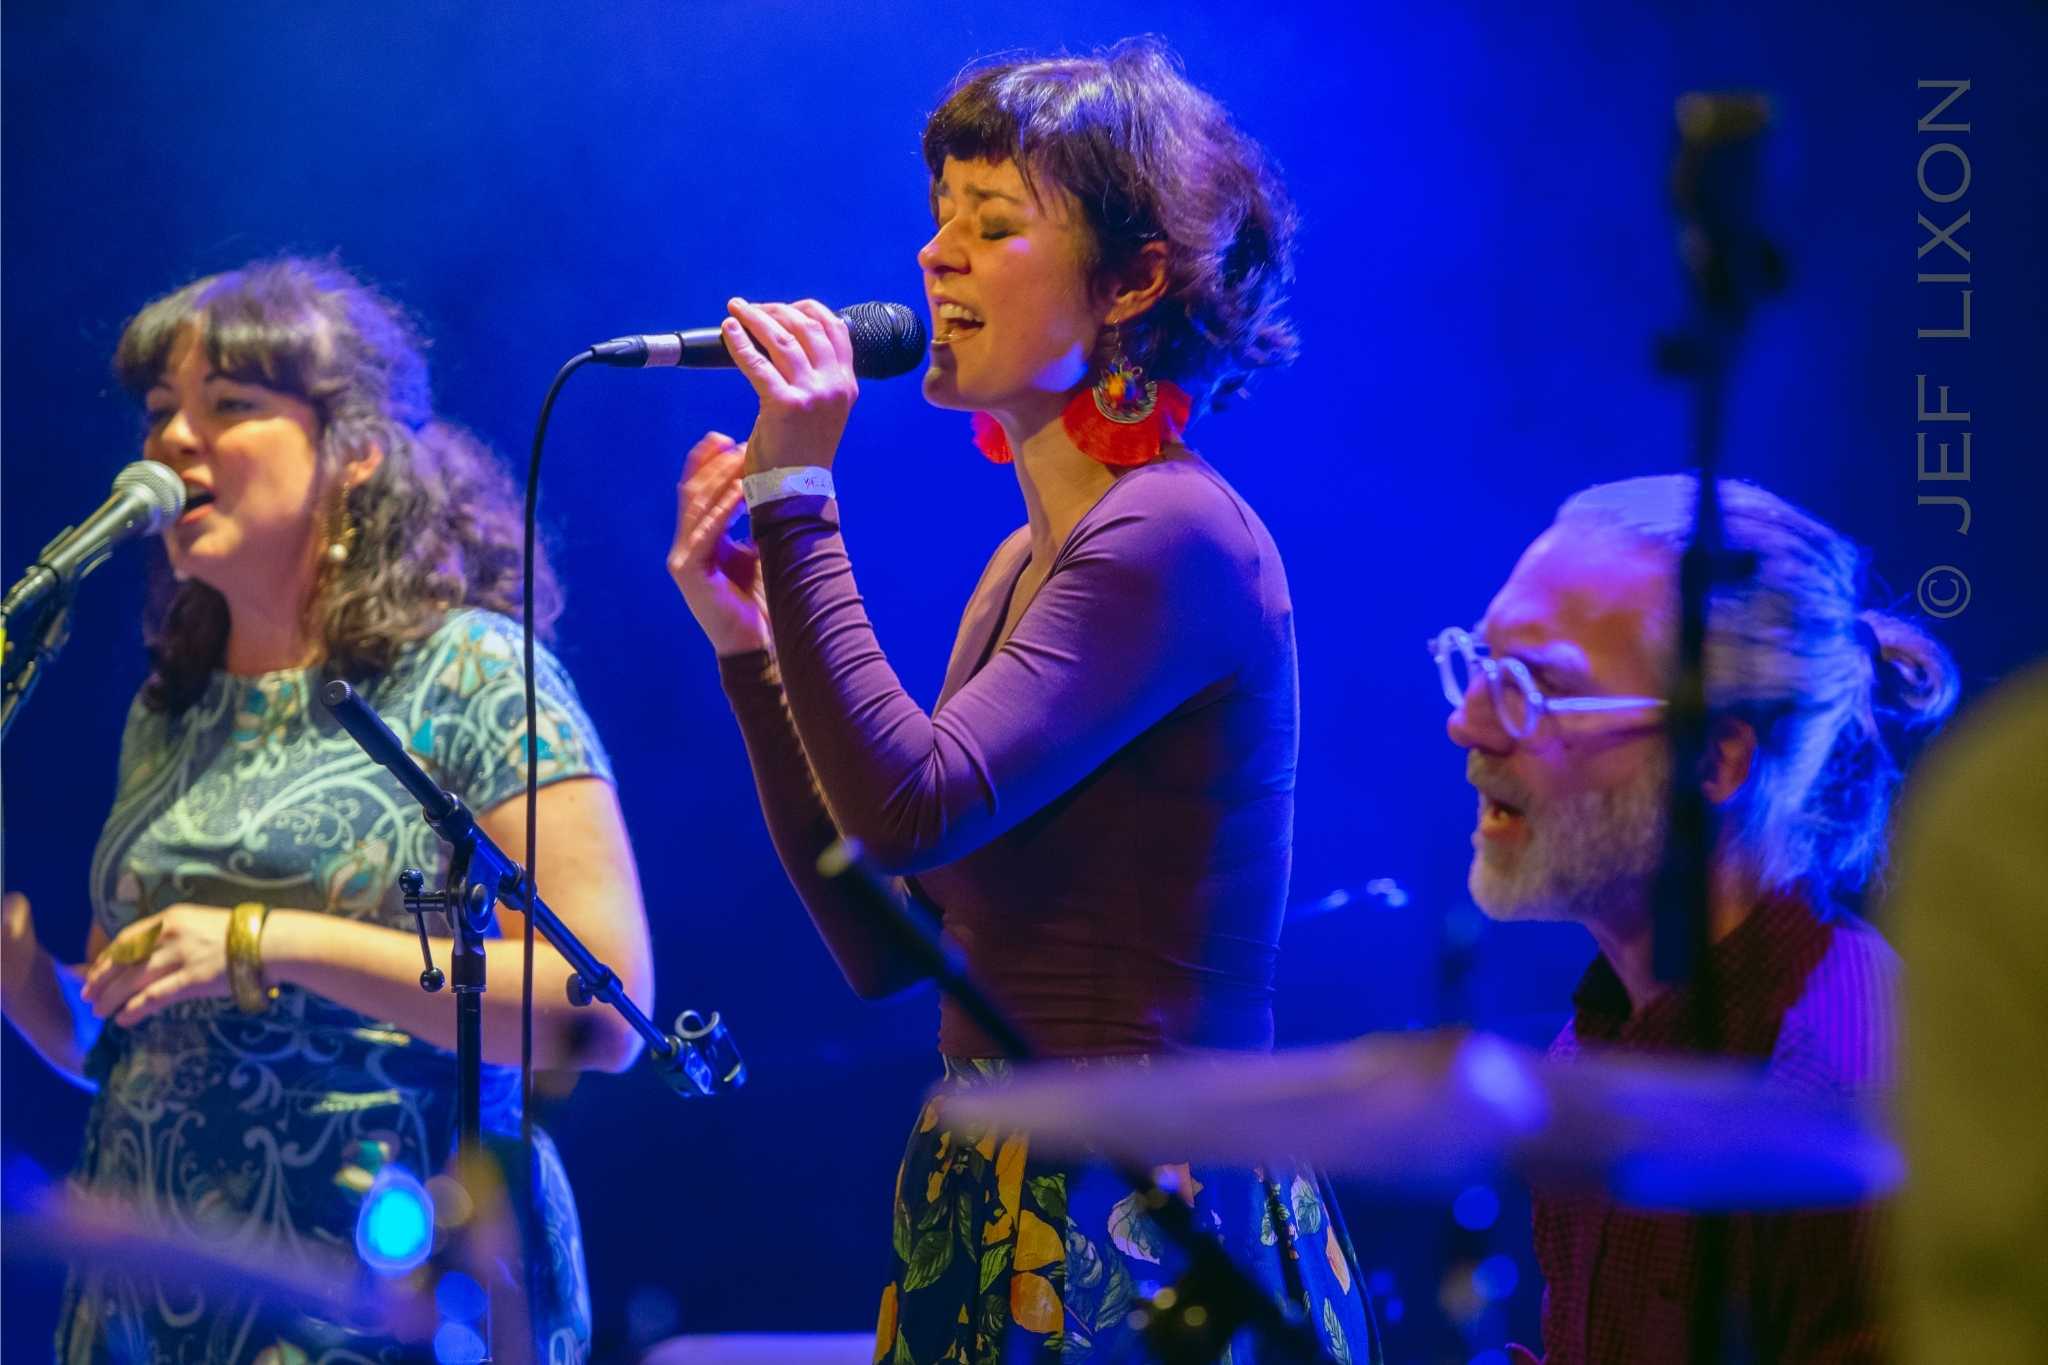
<point>1421,1114</point>
<point>1429,1113</point>
<point>102,1235</point>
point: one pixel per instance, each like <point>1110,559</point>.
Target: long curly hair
<point>1147,157</point>
<point>438,522</point>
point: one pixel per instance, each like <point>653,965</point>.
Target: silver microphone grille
<point>162,489</point>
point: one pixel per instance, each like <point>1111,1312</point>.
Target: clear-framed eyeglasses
<point>1517,700</point>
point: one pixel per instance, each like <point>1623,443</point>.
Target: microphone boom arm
<point>698,1059</point>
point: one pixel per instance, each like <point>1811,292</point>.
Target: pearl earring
<point>342,532</point>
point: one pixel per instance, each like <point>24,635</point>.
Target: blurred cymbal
<point>103,1234</point>
<point>1709,1136</point>
<point>1429,1112</point>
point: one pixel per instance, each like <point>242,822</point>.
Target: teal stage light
<point>395,1229</point>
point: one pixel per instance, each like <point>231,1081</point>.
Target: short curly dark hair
<point>438,522</point>
<point>1148,158</point>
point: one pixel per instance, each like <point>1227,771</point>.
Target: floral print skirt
<point>1000,1257</point>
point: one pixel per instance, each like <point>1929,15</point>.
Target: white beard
<point>1585,854</point>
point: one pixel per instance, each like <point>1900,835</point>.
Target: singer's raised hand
<point>799,358</point>
<point>720,579</point>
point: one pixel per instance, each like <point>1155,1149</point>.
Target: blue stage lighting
<point>459,1298</point>
<point>1476,1208</point>
<point>1497,1277</point>
<point>395,1229</point>
<point>458,1344</point>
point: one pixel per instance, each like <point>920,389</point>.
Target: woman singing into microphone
<point>251,1015</point>
<point>1101,808</point>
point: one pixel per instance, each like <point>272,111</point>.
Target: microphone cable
<point>532,859</point>
<point>888,340</point>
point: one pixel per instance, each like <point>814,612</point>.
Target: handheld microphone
<point>888,340</point>
<point>147,497</point>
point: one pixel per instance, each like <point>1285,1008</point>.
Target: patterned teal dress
<point>259,1135</point>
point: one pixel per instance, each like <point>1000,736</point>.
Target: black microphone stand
<point>42,596</point>
<point>1729,261</point>
<point>1189,1323</point>
<point>45,639</point>
<point>698,1059</point>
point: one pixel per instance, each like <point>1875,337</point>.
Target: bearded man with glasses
<point>1556,698</point>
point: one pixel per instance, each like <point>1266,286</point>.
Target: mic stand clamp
<point>703,1060</point>
<point>46,638</point>
<point>470,914</point>
<point>412,883</point>
<point>39,583</point>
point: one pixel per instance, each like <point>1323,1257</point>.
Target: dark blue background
<point>1485,258</point>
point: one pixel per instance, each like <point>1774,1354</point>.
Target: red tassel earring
<point>1124,419</point>
<point>989,439</point>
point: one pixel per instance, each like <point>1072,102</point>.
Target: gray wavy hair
<point>1831,688</point>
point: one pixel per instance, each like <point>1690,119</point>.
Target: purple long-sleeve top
<point>1101,808</point>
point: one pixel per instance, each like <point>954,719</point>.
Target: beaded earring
<point>1123,419</point>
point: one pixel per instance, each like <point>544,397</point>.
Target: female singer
<point>256,1031</point>
<point>1101,807</point>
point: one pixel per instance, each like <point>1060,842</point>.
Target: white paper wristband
<point>790,481</point>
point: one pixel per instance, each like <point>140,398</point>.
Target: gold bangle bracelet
<point>245,957</point>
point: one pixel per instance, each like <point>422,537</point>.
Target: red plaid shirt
<point>1817,999</point>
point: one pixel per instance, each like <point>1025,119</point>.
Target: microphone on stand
<point>888,340</point>
<point>147,497</point>
<point>702,1061</point>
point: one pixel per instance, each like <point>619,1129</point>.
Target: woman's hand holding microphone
<point>799,358</point>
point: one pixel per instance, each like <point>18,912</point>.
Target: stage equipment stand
<point>1730,264</point>
<point>45,637</point>
<point>697,1059</point>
